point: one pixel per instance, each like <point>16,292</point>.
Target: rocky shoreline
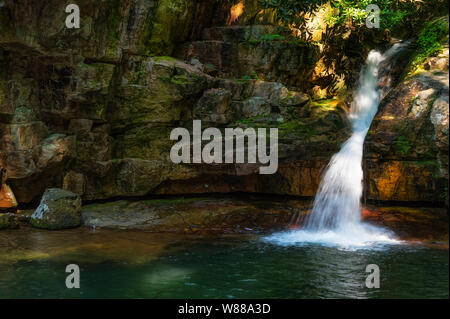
<point>240,214</point>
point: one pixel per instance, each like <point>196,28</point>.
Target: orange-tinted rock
<point>7,198</point>
<point>301,178</point>
<point>404,181</point>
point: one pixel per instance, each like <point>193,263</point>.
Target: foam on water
<point>361,236</point>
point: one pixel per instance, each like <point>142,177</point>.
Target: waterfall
<point>336,213</point>
<point>337,203</point>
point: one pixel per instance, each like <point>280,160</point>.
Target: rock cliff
<point>91,109</point>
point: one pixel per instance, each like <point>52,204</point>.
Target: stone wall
<point>91,109</point>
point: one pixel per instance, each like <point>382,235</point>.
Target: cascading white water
<point>336,213</point>
<point>337,203</point>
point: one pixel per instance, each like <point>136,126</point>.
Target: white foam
<point>350,237</point>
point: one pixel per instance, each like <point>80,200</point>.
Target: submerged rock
<point>58,209</point>
<point>191,215</point>
<point>8,221</point>
<point>410,223</point>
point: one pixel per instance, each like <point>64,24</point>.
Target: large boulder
<point>58,209</point>
<point>406,149</point>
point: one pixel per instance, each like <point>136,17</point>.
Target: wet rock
<point>8,221</point>
<point>193,214</point>
<point>28,156</point>
<point>58,209</point>
<point>24,216</point>
<point>410,223</point>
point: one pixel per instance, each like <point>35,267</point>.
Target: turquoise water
<point>142,265</point>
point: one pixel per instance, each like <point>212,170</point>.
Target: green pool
<point>124,264</point>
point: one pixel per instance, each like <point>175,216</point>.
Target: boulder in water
<point>58,209</point>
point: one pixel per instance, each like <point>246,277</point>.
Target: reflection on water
<point>118,264</point>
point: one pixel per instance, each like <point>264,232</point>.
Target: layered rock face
<point>90,110</point>
<point>240,51</point>
<point>407,146</point>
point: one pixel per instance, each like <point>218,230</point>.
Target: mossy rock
<point>58,209</point>
<point>8,221</point>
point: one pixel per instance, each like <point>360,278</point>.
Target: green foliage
<point>179,79</point>
<point>162,58</point>
<point>429,40</point>
<point>293,11</point>
<point>251,120</point>
<point>403,145</point>
<point>392,12</point>
<point>243,79</point>
<point>267,37</point>
<point>255,76</point>
<point>346,11</point>
<point>272,37</point>
<point>211,66</point>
